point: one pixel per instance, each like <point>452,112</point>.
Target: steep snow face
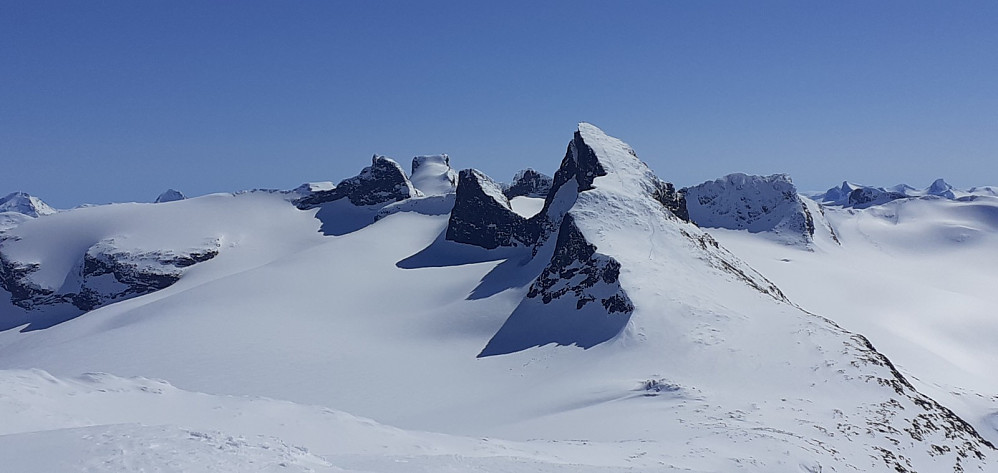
<point>23,203</point>
<point>432,175</point>
<point>753,203</point>
<point>580,298</point>
<point>170,195</point>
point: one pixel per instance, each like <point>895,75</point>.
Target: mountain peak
<point>754,203</point>
<point>940,187</point>
<point>24,203</point>
<point>170,195</point>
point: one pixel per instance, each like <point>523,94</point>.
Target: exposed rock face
<point>864,197</point>
<point>105,274</point>
<point>432,175</point>
<point>672,199</point>
<point>576,300</point>
<point>171,195</point>
<point>482,216</point>
<point>753,203</point>
<point>529,183</point>
<point>381,183</point>
<point>23,203</point>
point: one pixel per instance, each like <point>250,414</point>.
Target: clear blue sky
<point>116,101</point>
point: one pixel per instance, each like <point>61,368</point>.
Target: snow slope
<point>916,276</point>
<point>712,369</point>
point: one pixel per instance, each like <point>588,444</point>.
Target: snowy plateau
<point>597,320</point>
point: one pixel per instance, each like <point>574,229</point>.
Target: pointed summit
<point>171,195</point>
<point>940,188</point>
<point>24,203</point>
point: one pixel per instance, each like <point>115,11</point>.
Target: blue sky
<point>117,101</point>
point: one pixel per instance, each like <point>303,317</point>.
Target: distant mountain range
<point>598,320</point>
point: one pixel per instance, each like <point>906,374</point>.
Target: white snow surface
<point>917,276</point>
<point>526,206</point>
<point>432,174</point>
<point>287,330</point>
<point>10,220</point>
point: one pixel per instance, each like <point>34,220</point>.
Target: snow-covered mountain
<point>753,203</point>
<point>861,197</point>
<point>594,329</point>
<point>25,204</point>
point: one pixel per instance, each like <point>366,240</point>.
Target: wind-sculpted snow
<point>753,203</point>
<point>432,175</point>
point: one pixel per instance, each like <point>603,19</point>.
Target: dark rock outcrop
<point>482,215</point>
<point>864,197</point>
<point>105,274</point>
<point>170,195</point>
<point>576,300</point>
<point>529,183</point>
<point>672,199</point>
<point>381,183</point>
